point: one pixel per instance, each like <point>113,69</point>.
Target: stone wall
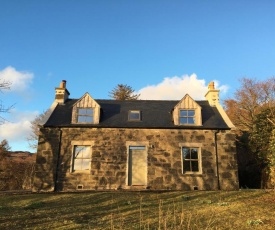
<point>109,159</point>
<point>46,160</point>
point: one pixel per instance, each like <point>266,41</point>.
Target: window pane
<point>86,164</point>
<point>89,111</point>
<point>194,154</point>
<point>195,166</point>
<point>86,152</point>
<point>81,111</point>
<point>134,115</point>
<point>82,151</point>
<point>78,151</point>
<point>191,120</point>
<point>186,153</point>
<point>77,164</point>
<point>84,111</point>
<point>183,113</point>
<point>81,118</point>
<point>186,166</point>
<point>183,120</point>
<point>191,113</point>
<point>137,147</point>
<point>85,119</point>
<point>89,119</point>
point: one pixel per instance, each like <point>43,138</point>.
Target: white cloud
<point>19,127</point>
<point>174,88</point>
<point>20,80</point>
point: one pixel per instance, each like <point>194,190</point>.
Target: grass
<point>245,209</point>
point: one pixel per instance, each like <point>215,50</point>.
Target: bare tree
<point>123,92</point>
<point>250,99</point>
<point>4,148</point>
<point>4,85</point>
<point>33,137</point>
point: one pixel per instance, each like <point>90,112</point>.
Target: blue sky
<point>163,49</point>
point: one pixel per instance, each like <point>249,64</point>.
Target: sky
<point>161,48</point>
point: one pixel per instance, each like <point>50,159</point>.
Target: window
<point>190,160</point>
<point>85,115</point>
<point>81,158</point>
<point>187,117</point>
<point>134,115</point>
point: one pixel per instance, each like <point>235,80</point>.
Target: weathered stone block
<point>206,153</point>
<point>151,171</point>
<point>103,181</point>
<point>230,137</point>
<point>177,164</point>
<point>226,175</point>
<point>200,138</point>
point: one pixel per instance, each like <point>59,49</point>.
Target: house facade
<point>88,144</point>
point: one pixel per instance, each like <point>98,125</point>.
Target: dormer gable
<point>187,112</point>
<point>86,111</point>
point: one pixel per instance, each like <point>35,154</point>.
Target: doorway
<point>137,165</point>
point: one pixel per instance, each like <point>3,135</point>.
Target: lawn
<point>245,209</point>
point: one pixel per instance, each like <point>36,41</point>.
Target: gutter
<point>217,158</point>
<point>136,127</point>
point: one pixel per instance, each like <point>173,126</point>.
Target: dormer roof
<point>187,102</point>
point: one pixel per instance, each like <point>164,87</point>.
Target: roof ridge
<point>154,100</point>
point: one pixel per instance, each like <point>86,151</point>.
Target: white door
<point>137,165</point>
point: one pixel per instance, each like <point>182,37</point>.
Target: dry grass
<point>246,209</point>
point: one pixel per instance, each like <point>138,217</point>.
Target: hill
<point>21,156</point>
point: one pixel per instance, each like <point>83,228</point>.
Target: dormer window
<point>134,115</point>
<point>187,117</point>
<point>187,112</point>
<point>85,115</point>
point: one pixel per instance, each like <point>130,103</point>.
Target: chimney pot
<point>211,85</point>
<point>63,84</point>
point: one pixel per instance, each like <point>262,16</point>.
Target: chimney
<point>212,95</point>
<point>61,93</point>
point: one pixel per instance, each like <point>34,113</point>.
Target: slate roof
<point>154,114</point>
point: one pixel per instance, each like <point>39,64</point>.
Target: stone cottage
<point>91,144</point>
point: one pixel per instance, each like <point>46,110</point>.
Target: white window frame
<point>80,143</point>
<point>136,112</point>
<point>85,114</point>
<point>193,117</point>
<point>191,145</point>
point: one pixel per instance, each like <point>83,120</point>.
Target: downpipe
<point>217,158</point>
<point>57,161</point>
